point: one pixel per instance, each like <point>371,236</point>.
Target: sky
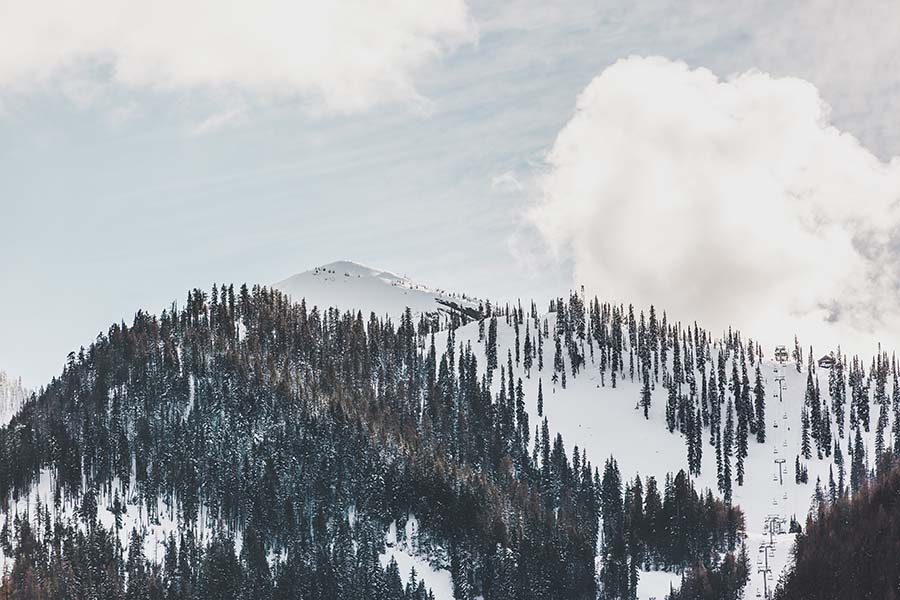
<point>730,162</point>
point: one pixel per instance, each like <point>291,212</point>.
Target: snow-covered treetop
<point>12,395</point>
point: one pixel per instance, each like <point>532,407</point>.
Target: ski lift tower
<point>780,462</point>
<point>764,568</point>
<point>773,522</point>
<point>779,379</point>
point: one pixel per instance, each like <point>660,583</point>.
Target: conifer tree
<point>671,406</point>
<point>559,366</point>
<point>837,391</point>
<point>715,409</point>
<point>858,470</point>
<point>879,433</point>
<point>518,344</point>
<point>528,359</point>
<point>759,399</point>
<point>832,487</point>
<point>727,446</point>
<point>540,346</point>
<point>745,396</point>
<point>839,462</point>
<point>895,400</point>
<point>646,397</point>
<point>720,474</point>
<point>492,345</point>
<point>805,447</point>
<point>698,443</point>
<point>540,399</point>
<point>614,568</point>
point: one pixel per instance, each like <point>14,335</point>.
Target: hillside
<point>285,442</point>
<point>420,421</point>
<point>604,420</point>
<point>850,547</point>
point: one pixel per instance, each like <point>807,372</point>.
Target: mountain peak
<point>351,285</point>
<point>351,268</point>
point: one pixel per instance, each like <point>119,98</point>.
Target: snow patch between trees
<point>405,551</point>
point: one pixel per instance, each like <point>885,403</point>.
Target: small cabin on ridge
<point>826,362</point>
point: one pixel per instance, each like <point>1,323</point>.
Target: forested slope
<point>850,547</point>
<point>251,420</point>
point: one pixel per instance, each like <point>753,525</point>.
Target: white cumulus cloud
<point>731,201</point>
<point>341,56</point>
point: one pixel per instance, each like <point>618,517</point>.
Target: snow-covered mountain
<point>590,412</point>
<point>351,286</point>
<point>606,421</point>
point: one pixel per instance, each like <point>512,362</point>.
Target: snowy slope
<point>409,556</point>
<point>606,421</point>
<point>349,285</point>
<point>155,525</point>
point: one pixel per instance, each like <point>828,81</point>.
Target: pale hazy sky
<point>147,148</point>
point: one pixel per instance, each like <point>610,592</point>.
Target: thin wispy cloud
<point>218,121</point>
<point>507,182</point>
<point>339,57</point>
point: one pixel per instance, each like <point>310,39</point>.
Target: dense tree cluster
<point>714,389</point>
<point>723,580</point>
<point>824,424</point>
<point>644,528</point>
<point>850,547</point>
<point>252,416</point>
<point>709,392</point>
<point>79,558</point>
